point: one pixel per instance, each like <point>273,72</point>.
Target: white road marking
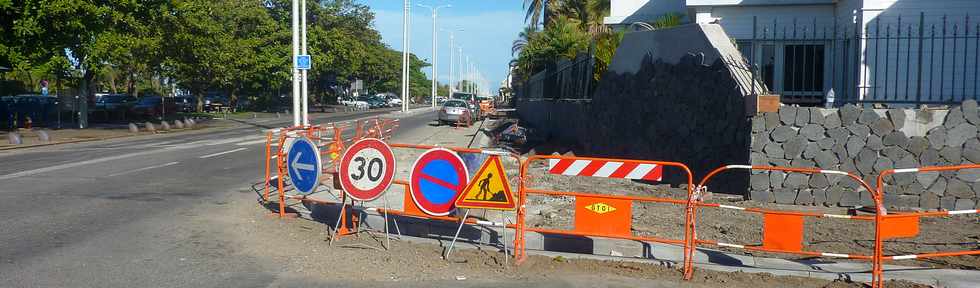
<point>75,164</point>
<point>222,153</point>
<point>143,169</point>
<point>251,142</point>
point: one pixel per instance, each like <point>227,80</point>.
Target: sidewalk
<point>478,237</point>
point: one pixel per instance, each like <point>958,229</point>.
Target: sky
<point>490,27</point>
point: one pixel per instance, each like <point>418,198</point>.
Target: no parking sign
<point>437,179</point>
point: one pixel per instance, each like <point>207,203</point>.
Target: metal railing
<point>566,80</point>
<point>888,59</point>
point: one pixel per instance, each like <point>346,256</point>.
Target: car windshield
<point>455,104</point>
<point>149,100</point>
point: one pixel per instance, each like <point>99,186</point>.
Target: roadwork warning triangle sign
<point>489,189</point>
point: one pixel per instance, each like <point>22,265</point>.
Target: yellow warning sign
<point>600,208</point>
<point>489,189</point>
<point>334,151</point>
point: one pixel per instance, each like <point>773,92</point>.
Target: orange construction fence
<point>908,224</point>
<point>782,231</point>
<point>609,216</point>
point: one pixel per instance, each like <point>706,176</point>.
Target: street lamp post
<point>435,50</point>
<point>405,57</point>
<point>296,76</point>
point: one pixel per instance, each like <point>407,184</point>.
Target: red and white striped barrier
<point>606,169</point>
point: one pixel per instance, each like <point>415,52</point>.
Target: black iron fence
<point>889,59</point>
<point>566,80</point>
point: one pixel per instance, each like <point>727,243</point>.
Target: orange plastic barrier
<point>601,215</point>
<point>907,224</point>
<point>782,231</point>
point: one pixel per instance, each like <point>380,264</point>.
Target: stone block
<point>832,121</point>
<point>816,117</point>
<point>848,166</point>
<point>804,197</point>
<point>849,114</point>
<point>757,158</point>
<point>883,164</point>
<point>929,201</point>
<point>969,108</point>
<point>972,143</point>
<point>901,201</point>
<point>759,181</point>
<point>971,155</point>
<point>954,118</point>
<point>826,143</point>
<point>779,162</point>
<point>854,145</point>
<point>834,194</point>
<point>773,150</point>
<point>918,144</point>
<point>795,180</point>
<point>794,147</point>
<point>758,124</point>
<point>894,152</point>
<point>897,117</point>
<point>850,198</point>
<point>914,189</point>
<point>783,133</point>
<point>802,117</point>
<point>866,199</point>
<point>951,154</point>
<point>825,160</point>
<point>759,142</point>
<point>787,114</point>
<point>811,150</point>
<point>924,115</point>
<point>812,132</point>
<point>968,175</point>
<point>882,127</point>
<point>927,178</point>
<point>964,204</point>
<point>938,187</point>
<point>839,134</point>
<point>859,130</point>
<point>947,203</point>
<point>785,195</point>
<point>959,189</point>
<point>865,161</point>
<point>929,158</point>
<point>776,179</point>
<point>819,196</point>
<point>772,120</point>
<point>896,138</point>
<point>957,136</point>
<point>819,181</point>
<point>762,196</point>
<point>937,137</point>
<point>874,143</point>
<point>802,163</point>
<point>867,117</point>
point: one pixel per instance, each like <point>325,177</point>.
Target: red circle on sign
<point>437,178</point>
<point>358,183</point>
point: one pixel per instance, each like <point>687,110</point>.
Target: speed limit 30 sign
<point>367,169</point>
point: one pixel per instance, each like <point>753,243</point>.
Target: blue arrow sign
<point>303,165</point>
<point>304,62</point>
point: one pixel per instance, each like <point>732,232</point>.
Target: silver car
<point>455,111</point>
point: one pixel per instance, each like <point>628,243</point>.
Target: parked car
<point>185,103</point>
<point>374,102</point>
<point>152,106</point>
<point>455,111</point>
<point>113,102</point>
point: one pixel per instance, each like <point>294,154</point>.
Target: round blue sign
<point>436,180</point>
<point>303,165</point>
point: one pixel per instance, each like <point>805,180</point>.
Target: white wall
<point>628,11</point>
<point>737,20</point>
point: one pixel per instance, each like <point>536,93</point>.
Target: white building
<point>871,51</point>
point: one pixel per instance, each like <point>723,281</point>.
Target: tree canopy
<point>238,48</point>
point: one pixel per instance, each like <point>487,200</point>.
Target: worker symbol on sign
<point>490,192</point>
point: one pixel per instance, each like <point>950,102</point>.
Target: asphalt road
<point>120,213</point>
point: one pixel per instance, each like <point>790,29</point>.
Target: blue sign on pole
<point>303,165</point>
<point>304,62</point>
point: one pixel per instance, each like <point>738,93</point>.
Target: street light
<point>405,57</point>
<point>435,49</point>
<point>452,58</point>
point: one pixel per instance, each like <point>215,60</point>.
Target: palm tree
<point>522,39</point>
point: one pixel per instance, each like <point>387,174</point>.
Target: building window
<point>803,72</point>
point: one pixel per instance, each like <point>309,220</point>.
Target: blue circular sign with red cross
<point>436,180</point>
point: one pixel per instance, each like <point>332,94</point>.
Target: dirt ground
<point>303,249</point>
<point>961,232</point>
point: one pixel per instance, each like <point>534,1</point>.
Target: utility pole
<point>405,55</point>
<point>296,74</point>
<point>304,87</point>
<point>435,50</point>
